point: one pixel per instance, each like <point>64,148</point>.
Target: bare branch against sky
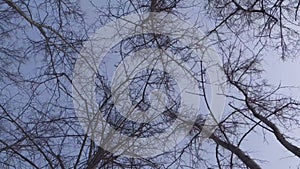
<point>148,84</point>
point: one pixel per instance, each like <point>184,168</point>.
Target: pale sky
<point>288,74</point>
<point>276,71</point>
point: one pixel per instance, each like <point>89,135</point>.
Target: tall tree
<point>41,41</point>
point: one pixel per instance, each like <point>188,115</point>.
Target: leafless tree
<point>41,40</point>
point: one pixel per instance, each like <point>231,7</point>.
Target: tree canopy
<point>42,40</point>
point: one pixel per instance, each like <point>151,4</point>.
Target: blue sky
<point>276,72</point>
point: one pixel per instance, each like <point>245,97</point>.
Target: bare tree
<point>41,41</point>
